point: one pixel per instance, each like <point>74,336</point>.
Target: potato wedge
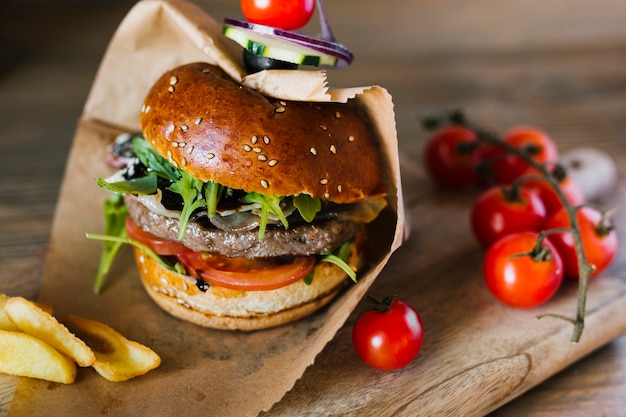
<point>117,358</point>
<point>5,322</point>
<point>31,319</point>
<point>24,355</point>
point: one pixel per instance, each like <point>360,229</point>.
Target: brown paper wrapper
<point>203,371</point>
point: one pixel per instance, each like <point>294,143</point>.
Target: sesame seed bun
<point>215,129</point>
<point>226,309</point>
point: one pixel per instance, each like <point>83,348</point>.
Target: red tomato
<point>388,339</point>
<point>234,273</point>
<point>550,198</point>
<point>516,277</point>
<point>283,14</point>
<point>506,167</point>
<point>158,245</point>
<point>450,156</point>
<point>599,240</point>
<point>248,274</point>
<point>502,210</point>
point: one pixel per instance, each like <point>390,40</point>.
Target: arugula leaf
<point>307,206</point>
<point>114,225</point>
<point>190,189</point>
<point>269,204</point>
<point>142,185</point>
<point>340,258</point>
<point>213,194</point>
<point>155,162</point>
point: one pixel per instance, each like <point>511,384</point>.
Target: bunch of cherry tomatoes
<point>523,217</point>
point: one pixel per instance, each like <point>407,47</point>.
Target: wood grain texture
<point>559,65</point>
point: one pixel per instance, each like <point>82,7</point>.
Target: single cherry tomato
<point>506,167</point>
<point>389,335</point>
<point>283,14</point>
<point>521,275</point>
<point>502,210</point>
<point>599,240</point>
<point>450,156</point>
<point>549,196</point>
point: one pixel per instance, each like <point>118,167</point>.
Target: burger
<point>244,211</point>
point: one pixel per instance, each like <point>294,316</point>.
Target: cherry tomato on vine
<point>506,167</point>
<point>389,335</point>
<point>502,210</point>
<point>599,240</point>
<point>283,14</point>
<point>521,275</point>
<point>549,196</point>
<point>450,156</point>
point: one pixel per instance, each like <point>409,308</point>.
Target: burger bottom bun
<point>228,309</point>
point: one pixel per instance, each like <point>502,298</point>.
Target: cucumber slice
<point>286,46</point>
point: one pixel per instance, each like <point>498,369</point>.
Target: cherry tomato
<point>519,276</point>
<point>283,14</point>
<point>506,167</point>
<point>450,156</point>
<point>550,198</point>
<point>235,273</point>
<point>599,240</point>
<point>388,338</point>
<point>502,210</point>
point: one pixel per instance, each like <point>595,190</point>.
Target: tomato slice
<point>219,270</point>
<point>247,274</point>
<point>158,245</point>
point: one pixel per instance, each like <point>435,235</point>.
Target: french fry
<point>31,319</point>
<point>5,322</point>
<point>24,355</point>
<point>117,358</point>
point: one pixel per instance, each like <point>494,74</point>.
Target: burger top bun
<point>217,130</point>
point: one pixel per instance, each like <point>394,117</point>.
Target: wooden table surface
<point>560,65</point>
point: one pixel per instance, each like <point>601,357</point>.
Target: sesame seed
<point>264,184</point>
<point>326,195</point>
<point>169,154</point>
<point>143,108</point>
<point>184,128</point>
<point>338,115</point>
<point>323,127</point>
<point>254,139</point>
<point>182,144</point>
<point>350,138</point>
<point>189,150</point>
<point>247,147</point>
<point>256,149</point>
<point>210,156</point>
<point>280,109</point>
<point>206,70</point>
<point>184,161</point>
<point>148,108</point>
<point>171,89</point>
<point>262,157</point>
<point>272,162</point>
<point>175,144</point>
<point>266,140</point>
<point>173,80</point>
<point>339,188</point>
<point>313,151</point>
<point>197,121</point>
<point>324,181</point>
<point>332,149</point>
<point>283,103</point>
